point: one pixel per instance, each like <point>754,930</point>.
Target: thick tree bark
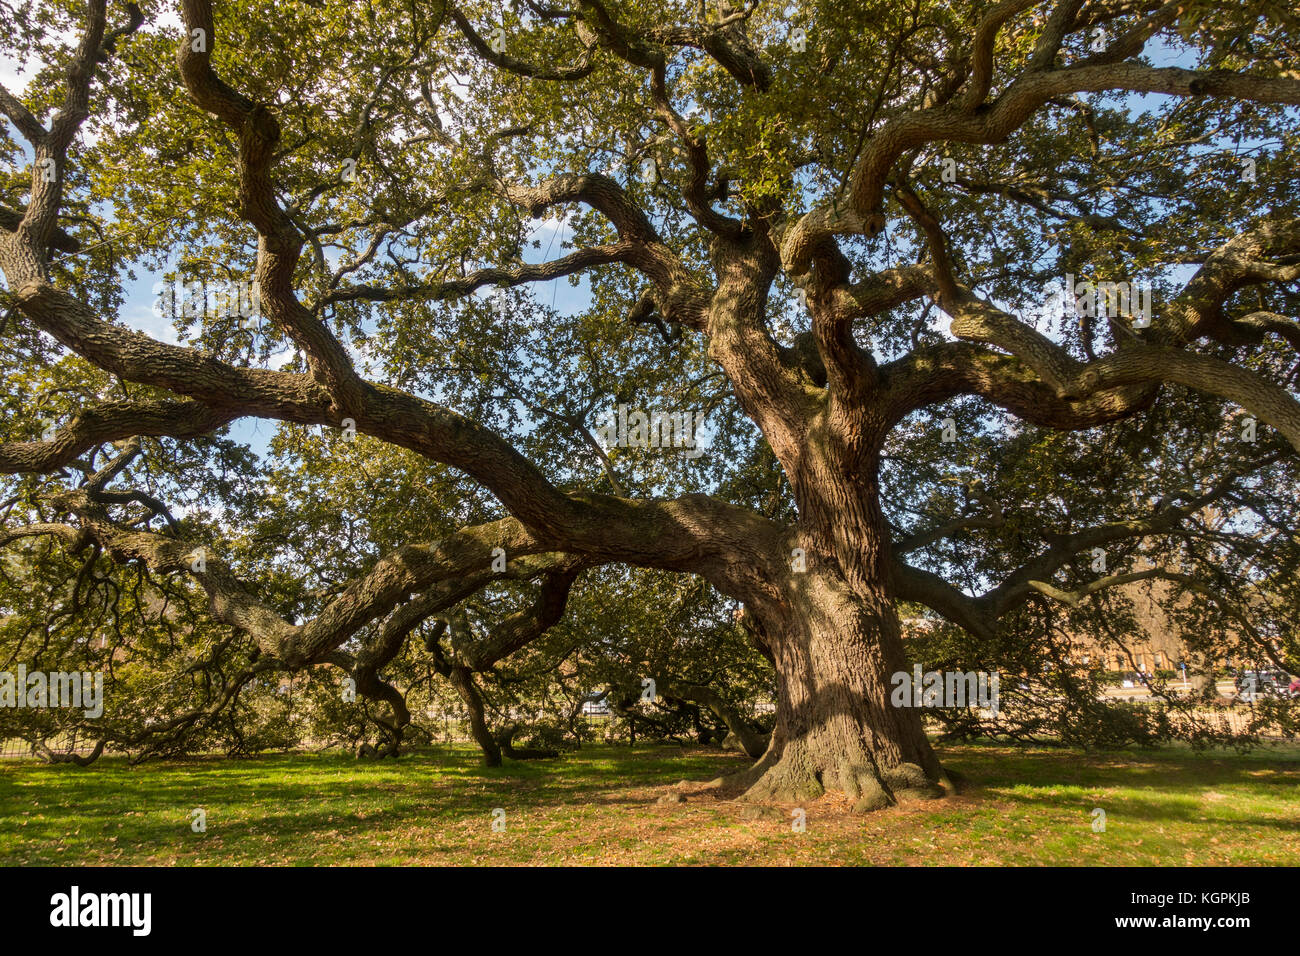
<point>835,636</point>
<point>836,728</point>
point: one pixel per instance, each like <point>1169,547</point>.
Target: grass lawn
<point>1170,806</point>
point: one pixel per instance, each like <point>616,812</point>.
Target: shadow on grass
<point>1169,785</point>
<point>434,778</point>
<point>324,806</point>
<point>436,805</point>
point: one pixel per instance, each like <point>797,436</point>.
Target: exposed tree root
<point>793,775</point>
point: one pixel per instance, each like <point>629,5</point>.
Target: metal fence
<point>15,749</point>
<point>452,728</point>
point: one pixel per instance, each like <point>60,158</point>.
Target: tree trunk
<point>463,681</point>
<point>506,741</point>
<point>837,730</point>
<point>750,740</point>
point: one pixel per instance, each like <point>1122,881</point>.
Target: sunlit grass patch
<point>598,806</point>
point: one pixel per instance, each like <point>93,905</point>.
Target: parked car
<point>1252,685</point>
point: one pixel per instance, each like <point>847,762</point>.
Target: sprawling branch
<point>998,120</point>
<point>679,295</point>
<point>934,374</point>
<point>981,78</point>
<point>109,422</point>
<point>504,61</point>
<point>279,241</point>
<point>521,628</point>
<point>38,231</point>
<point>1122,382</point>
<point>750,739</point>
<point>979,615</point>
<point>991,518</point>
<point>583,259</point>
<point>390,582</point>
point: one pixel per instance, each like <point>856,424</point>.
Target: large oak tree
<point>835,225</point>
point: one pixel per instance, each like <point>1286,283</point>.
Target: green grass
<point>597,806</point>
